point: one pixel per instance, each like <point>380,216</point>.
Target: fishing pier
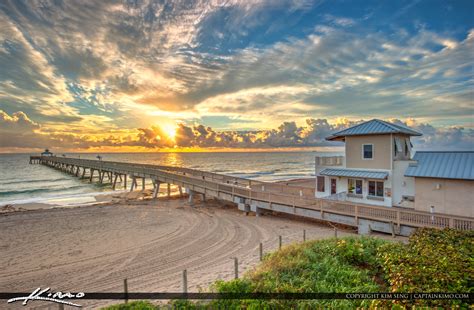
<point>255,196</point>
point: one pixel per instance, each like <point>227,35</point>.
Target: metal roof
<point>444,165</point>
<point>365,174</point>
<point>372,127</point>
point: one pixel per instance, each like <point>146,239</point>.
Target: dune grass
<point>432,261</point>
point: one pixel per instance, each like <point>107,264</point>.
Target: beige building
<point>378,169</point>
<point>372,170</point>
<point>444,182</point>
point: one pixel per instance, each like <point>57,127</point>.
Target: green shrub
<point>433,261</point>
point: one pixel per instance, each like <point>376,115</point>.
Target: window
<point>320,184</point>
<point>355,186</point>
<point>367,151</point>
<point>398,146</point>
<point>376,188</point>
<point>407,147</point>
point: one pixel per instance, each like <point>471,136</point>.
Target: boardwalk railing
<point>271,193</point>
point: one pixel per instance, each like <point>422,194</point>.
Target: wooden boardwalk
<point>257,196</point>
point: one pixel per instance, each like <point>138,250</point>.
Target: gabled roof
<point>364,174</point>
<point>444,165</point>
<point>373,127</point>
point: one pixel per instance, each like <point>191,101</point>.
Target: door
<point>333,186</point>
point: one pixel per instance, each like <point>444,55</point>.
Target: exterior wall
<point>326,188</point>
<point>402,185</point>
<point>454,197</point>
<point>382,152</point>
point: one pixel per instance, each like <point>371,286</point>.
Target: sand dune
<point>94,248</point>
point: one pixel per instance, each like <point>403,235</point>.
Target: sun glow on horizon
<point>169,130</point>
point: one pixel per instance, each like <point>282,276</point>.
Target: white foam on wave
<point>65,200</point>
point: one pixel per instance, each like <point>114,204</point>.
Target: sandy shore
<point>93,248</point>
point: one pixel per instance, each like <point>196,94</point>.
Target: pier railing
<point>272,193</point>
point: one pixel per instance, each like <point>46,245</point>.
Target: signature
<point>46,295</point>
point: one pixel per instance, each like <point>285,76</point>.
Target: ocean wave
<point>33,181</point>
<point>38,190</point>
<point>66,199</point>
<point>255,173</point>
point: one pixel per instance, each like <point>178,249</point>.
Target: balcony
<point>330,160</point>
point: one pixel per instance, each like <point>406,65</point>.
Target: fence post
<point>185,281</point>
<point>335,232</point>
<point>279,242</point>
<point>304,235</point>
<point>236,267</point>
<point>261,251</point>
<point>125,289</point>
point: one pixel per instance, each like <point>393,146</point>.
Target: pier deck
<point>257,196</point>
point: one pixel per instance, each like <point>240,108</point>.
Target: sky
<point>89,76</point>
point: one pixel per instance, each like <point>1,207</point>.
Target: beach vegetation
<point>432,261</point>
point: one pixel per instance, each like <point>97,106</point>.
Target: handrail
<point>274,193</point>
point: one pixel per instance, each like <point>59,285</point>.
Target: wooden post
<point>83,173</point>
<point>157,188</point>
<point>125,289</point>
<point>335,232</point>
<point>180,191</point>
<point>185,281</point>
<point>92,174</point>
<point>304,235</point>
<point>279,242</point>
<point>236,267</point>
<point>134,182</point>
<point>191,197</point>
<point>115,181</point>
<point>261,251</point>
<point>143,183</point>
<point>125,181</point>
<point>169,190</point>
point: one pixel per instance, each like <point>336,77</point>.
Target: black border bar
<point>267,296</point>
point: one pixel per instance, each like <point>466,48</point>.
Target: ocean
<point>21,182</point>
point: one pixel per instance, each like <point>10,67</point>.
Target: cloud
<point>26,78</point>
<point>339,21</point>
<point>121,67</point>
<point>334,68</point>
<point>20,132</point>
<point>453,137</point>
<point>17,122</point>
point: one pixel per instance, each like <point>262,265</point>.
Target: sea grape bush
<point>432,261</point>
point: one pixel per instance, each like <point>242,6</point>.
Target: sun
<point>169,130</point>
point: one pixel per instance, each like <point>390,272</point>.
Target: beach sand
<point>149,242</point>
